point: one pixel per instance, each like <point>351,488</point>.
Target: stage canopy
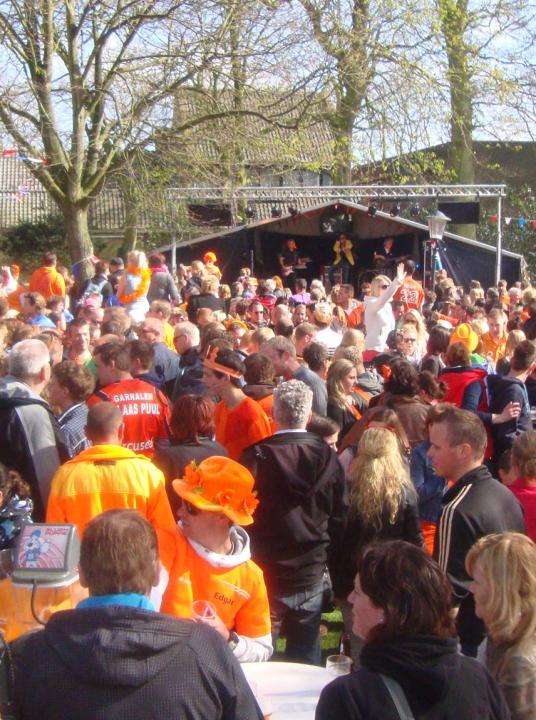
<point>315,230</point>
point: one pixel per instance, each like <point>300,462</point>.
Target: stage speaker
<point>335,224</point>
<point>461,213</point>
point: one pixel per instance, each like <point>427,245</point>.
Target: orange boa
<point>141,290</point>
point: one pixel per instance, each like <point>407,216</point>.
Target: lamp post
<point>436,227</point>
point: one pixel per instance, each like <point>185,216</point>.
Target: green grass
<point>329,642</point>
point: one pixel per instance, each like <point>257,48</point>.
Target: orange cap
<point>209,257</point>
<point>219,484</point>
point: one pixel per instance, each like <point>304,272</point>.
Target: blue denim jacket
<point>430,488</point>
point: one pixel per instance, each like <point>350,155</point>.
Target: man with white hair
<point>301,515</point>
<point>166,362</point>
<point>32,442</point>
<point>190,375</point>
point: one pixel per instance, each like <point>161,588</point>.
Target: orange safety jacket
<point>107,477</point>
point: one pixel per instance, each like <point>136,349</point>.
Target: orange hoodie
<point>234,584</point>
<point>47,281</point>
<point>106,477</point>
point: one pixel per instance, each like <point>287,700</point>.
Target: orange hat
<point>211,363</point>
<point>209,257</point>
<point>235,321</point>
<point>465,334</point>
<point>219,484</point>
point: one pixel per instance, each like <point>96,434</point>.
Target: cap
<point>209,257</point>
<point>219,484</point>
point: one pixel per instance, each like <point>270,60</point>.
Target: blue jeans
<point>299,613</point>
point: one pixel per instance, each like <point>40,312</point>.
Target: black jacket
<point>121,663</point>
<point>32,442</point>
<point>439,684</point>
<point>503,390</point>
<point>343,564</point>
<point>476,505</point>
<point>189,379</point>
<point>302,510</point>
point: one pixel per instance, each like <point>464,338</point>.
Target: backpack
<point>94,288</point>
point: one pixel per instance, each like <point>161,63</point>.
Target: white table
<point>289,691</point>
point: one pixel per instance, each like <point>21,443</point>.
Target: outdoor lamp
<point>437,224</point>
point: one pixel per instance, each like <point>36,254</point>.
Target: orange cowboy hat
<point>465,334</point>
<point>219,484</point>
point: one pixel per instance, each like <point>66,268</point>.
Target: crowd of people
<point>376,441</point>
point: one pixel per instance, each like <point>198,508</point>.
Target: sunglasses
<point>190,509</point>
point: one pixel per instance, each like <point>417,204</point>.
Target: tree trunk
<point>78,240</point>
<point>342,125</point>
<point>130,228</point>
<point>454,14</point>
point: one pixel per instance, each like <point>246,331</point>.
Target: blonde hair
<point>524,454</point>
<point>480,326</point>
<point>529,294</point>
<point>476,294</point>
<point>138,259</point>
<point>508,562</point>
<point>379,477</point>
<point>415,318</point>
<point>338,370</point>
<point>515,337</point>
<point>353,338</point>
<point>210,284</point>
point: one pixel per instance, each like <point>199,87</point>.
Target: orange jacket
<point>106,477</point>
<point>240,427</point>
<point>238,593</point>
<point>47,281</point>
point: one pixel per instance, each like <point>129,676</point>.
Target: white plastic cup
<point>338,665</point>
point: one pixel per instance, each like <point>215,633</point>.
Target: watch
<point>233,640</point>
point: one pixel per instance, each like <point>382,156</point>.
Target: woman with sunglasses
<point>379,318</point>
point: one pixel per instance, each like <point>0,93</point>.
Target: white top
<point>286,691</point>
<point>379,318</point>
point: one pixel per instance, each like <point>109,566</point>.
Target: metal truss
<point>334,192</point>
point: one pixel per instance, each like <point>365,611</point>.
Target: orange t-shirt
<point>146,413</point>
<point>240,427</point>
<point>238,593</point>
<point>47,281</point>
<point>411,294</point>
